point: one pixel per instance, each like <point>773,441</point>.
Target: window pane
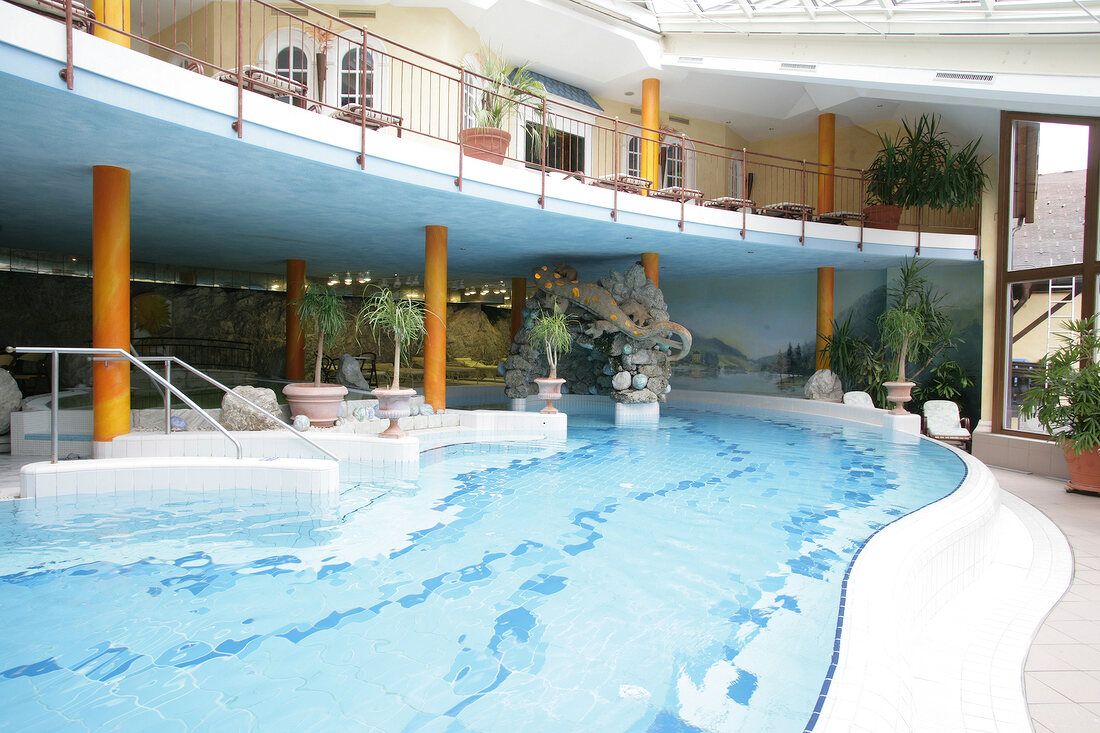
<point>1047,194</point>
<point>1038,313</point>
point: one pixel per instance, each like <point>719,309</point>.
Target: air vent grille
<point>691,59</point>
<point>798,67</point>
<point>679,120</point>
<point>635,111</point>
<point>290,10</point>
<point>964,77</point>
<point>358,14</point>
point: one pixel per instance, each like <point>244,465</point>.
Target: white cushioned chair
<point>942,422</point>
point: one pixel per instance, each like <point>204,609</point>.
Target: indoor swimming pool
<point>685,577</point>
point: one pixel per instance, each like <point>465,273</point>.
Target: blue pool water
<point>685,578</point>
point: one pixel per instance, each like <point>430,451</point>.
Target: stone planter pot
<point>549,390</point>
<point>1084,471</point>
<point>485,143</point>
<point>899,393</point>
<point>882,216</point>
<point>321,404</point>
<point>394,405</point>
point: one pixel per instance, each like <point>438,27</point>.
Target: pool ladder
<point>164,382</point>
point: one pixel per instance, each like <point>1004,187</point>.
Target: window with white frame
<point>675,165</point>
<point>288,53</point>
<point>471,90</point>
<point>353,76</point>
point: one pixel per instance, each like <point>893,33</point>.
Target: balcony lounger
<point>942,422</point>
<point>787,210</point>
<point>83,17</point>
<point>264,82</point>
<point>731,203</point>
<point>373,118</point>
<point>678,193</point>
<point>840,217</point>
<point>623,182</point>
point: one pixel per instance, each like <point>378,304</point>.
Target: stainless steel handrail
<point>157,379</point>
<point>169,360</point>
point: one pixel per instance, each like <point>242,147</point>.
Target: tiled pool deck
<point>1062,674</point>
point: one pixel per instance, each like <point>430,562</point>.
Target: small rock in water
<point>301,423</point>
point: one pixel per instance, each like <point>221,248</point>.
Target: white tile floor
<point>1062,674</point>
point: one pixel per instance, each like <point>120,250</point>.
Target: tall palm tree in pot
<point>321,310</point>
<point>403,320</point>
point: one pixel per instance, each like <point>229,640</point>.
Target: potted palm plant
<point>499,92</point>
<point>1067,402</point>
<point>403,319</point>
<point>912,328</point>
<point>920,167</point>
<point>551,330</point>
<point>321,310</point>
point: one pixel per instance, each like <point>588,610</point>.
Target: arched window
<point>353,76</point>
<point>676,167</point>
<point>291,63</point>
<point>289,53</point>
<point>356,77</point>
<point>471,97</point>
<point>633,156</point>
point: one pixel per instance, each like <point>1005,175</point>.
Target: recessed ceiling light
<point>628,94</point>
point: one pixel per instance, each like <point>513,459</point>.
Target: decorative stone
<point>359,413</point>
<point>639,381</point>
<point>10,397</point>
<point>178,424</point>
<point>593,390</point>
<point>237,415</point>
<point>621,381</point>
<point>628,349</point>
<point>427,409</point>
<point>350,374</point>
<point>301,423</point>
<point>414,410</point>
<point>500,368</point>
<point>565,389</point>
<point>668,388</point>
<point>824,385</point>
<point>338,422</point>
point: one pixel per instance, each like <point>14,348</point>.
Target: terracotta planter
<point>485,143</point>
<point>1084,471</point>
<point>899,393</point>
<point>883,216</point>
<point>393,404</point>
<point>549,390</point>
<point>321,404</point>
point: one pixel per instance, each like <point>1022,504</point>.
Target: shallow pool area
<point>678,578</point>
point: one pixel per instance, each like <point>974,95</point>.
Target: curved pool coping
<point>939,607</point>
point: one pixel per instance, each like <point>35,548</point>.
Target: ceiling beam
<point>888,6</point>
<point>811,9</point>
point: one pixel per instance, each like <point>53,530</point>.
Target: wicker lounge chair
<point>83,17</point>
<point>374,119</point>
<point>623,182</point>
<point>264,82</point>
<point>678,193</point>
<point>942,422</point>
<point>730,203</point>
<point>841,217</point>
<point>787,210</point>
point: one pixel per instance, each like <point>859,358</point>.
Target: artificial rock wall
<point>604,359</point>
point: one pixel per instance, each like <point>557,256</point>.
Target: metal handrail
<point>169,360</point>
<point>157,379</point>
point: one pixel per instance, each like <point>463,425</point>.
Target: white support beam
<point>811,9</point>
<point>888,7</point>
<point>988,6</point>
<point>746,8</point>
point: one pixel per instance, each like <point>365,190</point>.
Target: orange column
<point>826,155</point>
<point>651,119</point>
<point>650,262</point>
<point>295,338</point>
<point>435,320</point>
<point>824,313</point>
<point>519,300</point>
<point>110,299</point>
<point>114,13</point>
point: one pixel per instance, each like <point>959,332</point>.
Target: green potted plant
<point>551,330</point>
<point>321,310</point>
<point>912,328</point>
<point>499,92</point>
<point>1067,402</point>
<point>403,320</point>
<point>920,167</point>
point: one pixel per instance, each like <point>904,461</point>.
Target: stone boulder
<point>350,374</point>
<point>10,397</point>
<point>824,385</point>
<point>237,415</point>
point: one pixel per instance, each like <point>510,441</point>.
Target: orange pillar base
<point>110,299</point>
<point>295,338</point>
<point>651,263</point>
<point>435,318</point>
<point>519,301</point>
<point>824,314</point>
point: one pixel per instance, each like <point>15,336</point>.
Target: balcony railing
<point>322,63</point>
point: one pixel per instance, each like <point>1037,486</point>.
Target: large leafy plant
<point>921,167</point>
<point>321,310</point>
<point>551,330</point>
<point>503,89</point>
<point>1067,401</point>
<point>400,318</point>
